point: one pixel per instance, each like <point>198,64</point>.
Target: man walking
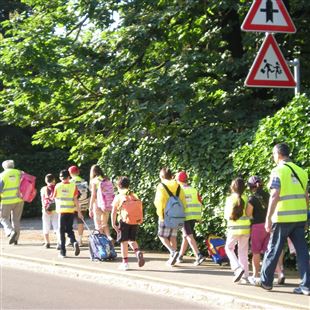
<point>11,204</point>
<point>286,217</point>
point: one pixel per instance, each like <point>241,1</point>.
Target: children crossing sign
<point>268,16</point>
<point>270,68</point>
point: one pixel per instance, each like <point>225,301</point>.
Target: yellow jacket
<point>161,196</point>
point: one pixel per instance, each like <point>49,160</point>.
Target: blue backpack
<point>174,215</point>
<point>100,247</point>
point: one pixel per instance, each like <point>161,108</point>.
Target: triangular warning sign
<point>268,16</point>
<point>270,68</point>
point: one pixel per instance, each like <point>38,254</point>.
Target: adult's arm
<point>273,200</point>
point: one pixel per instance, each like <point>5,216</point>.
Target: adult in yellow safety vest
<point>66,198</point>
<point>83,198</point>
<point>192,212</point>
<point>11,204</point>
<point>238,230</point>
<point>286,217</point>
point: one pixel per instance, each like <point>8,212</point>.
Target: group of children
<point>246,225</point>
<point>62,203</point>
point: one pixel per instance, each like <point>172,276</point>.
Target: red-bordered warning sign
<point>268,16</point>
<point>270,68</point>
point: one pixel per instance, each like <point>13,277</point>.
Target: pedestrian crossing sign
<point>270,68</point>
<point>268,16</point>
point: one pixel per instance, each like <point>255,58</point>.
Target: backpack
<point>49,204</point>
<point>174,215</point>
<point>100,247</point>
<point>105,195</point>
<point>131,210</point>
<point>216,249</point>
<point>27,190</point>
<point>84,193</point>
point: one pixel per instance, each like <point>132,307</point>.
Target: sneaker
<point>254,281</point>
<point>15,242</point>
<point>173,258</point>
<point>12,236</point>
<point>76,248</point>
<point>47,245</point>
<point>123,266</point>
<point>238,274</point>
<point>244,281</point>
<point>265,287</point>
<point>301,290</point>
<point>180,260</point>
<point>61,255</point>
<point>199,260</point>
<point>140,258</point>
<point>281,280</point>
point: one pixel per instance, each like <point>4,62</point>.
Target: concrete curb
<point>203,295</point>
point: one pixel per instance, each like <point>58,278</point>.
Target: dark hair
<point>282,149</point>
<point>49,178</point>
<point>95,171</point>
<point>237,186</point>
<point>166,173</point>
<point>123,182</point>
<point>64,174</point>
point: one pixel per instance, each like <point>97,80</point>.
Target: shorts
<point>188,228</point>
<point>259,238</point>
<point>101,218</point>
<point>166,232</point>
<point>128,232</point>
<point>78,220</point>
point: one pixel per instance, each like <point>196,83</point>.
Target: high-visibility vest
<point>193,206</point>
<point>10,192</point>
<point>65,197</point>
<point>292,205</point>
<point>242,226</point>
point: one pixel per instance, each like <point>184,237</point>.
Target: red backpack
<point>131,210</point>
<point>105,195</point>
<point>27,187</point>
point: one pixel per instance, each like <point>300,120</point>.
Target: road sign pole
<point>296,64</point>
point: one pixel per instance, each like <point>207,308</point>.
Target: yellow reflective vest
<point>193,206</point>
<point>242,226</point>
<point>10,192</point>
<point>292,205</point>
<point>64,197</point>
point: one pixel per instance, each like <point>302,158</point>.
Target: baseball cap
<point>182,176</point>
<point>253,180</point>
<point>74,170</point>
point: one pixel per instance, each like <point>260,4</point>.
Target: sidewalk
<point>209,283</point>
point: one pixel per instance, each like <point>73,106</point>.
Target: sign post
<point>270,69</point>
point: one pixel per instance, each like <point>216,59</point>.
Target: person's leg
<point>98,219</point>
<point>105,224</point>
<point>243,252</point>
<point>16,214</point>
<point>276,242</point>
<point>256,264</point>
<point>173,243</point>
<point>183,248</point>
<point>230,245</point>
<point>5,219</point>
<point>46,223</point>
<point>298,239</point>
<point>163,235</point>
<point>69,229</point>
<point>62,231</point>
<point>55,223</point>
<point>192,243</point>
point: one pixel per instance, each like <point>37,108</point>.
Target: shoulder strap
<point>295,175</point>
<point>167,189</point>
<point>178,191</point>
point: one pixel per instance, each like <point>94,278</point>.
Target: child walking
<point>238,230</point>
<point>126,232</point>
<point>49,215</point>
<point>66,197</point>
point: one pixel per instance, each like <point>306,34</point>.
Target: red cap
<point>182,176</point>
<point>74,170</point>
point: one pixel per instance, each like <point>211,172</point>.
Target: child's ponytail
<point>237,186</point>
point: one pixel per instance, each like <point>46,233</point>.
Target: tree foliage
<point>141,84</point>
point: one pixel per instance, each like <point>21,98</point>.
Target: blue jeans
<point>279,234</point>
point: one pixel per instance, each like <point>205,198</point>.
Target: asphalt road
<point>30,290</point>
